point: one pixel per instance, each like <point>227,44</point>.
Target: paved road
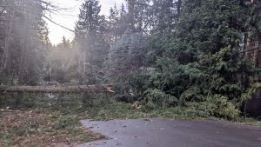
<point>173,133</point>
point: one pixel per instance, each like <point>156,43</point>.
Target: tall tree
<point>90,37</point>
<point>24,44</point>
<point>127,52</point>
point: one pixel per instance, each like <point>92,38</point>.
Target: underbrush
<point>96,107</point>
<point>104,107</point>
<point>211,106</point>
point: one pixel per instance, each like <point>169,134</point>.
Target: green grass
<point>118,110</point>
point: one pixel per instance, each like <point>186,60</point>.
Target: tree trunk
<point>179,5</point>
<point>131,11</point>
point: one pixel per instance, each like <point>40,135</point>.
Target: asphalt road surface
<point>173,133</point>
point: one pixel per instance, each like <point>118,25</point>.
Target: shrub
<point>155,98</point>
<point>217,106</point>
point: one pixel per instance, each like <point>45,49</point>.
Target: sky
<point>68,15</point>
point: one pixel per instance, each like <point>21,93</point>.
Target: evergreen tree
<point>202,61</point>
<point>90,37</point>
<point>24,45</point>
<point>113,24</point>
<point>127,53</point>
<point>165,13</point>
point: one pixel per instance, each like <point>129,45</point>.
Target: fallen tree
<point>58,89</point>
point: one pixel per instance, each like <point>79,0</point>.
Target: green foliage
<point>200,64</point>
<point>186,57</point>
<point>91,41</point>
<point>155,98</point>
<point>217,106</point>
<point>224,108</point>
<point>125,67</point>
<point>178,80</point>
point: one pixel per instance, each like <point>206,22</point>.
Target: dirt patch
<point>41,129</point>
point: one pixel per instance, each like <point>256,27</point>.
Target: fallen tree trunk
<point>59,89</point>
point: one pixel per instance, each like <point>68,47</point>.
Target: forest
<point>170,58</point>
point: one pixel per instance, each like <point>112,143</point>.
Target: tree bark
<point>179,5</point>
<point>59,89</point>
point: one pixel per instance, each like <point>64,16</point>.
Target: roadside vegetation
<point>36,121</point>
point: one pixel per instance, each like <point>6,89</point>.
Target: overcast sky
<point>69,15</point>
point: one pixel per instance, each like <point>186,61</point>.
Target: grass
<point>119,110</point>
<point>250,121</point>
<point>34,122</point>
<point>29,128</point>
